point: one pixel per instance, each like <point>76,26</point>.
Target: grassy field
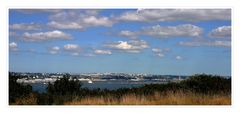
<point>169,98</point>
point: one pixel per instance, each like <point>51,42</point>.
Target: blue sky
<point>154,41</point>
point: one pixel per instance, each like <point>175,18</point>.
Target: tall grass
<point>167,98</point>
<point>31,99</point>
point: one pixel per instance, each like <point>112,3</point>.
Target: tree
<point>64,86</point>
<point>208,83</point>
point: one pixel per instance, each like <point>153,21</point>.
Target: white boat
<point>90,81</point>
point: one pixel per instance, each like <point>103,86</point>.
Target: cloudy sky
<point>155,41</point>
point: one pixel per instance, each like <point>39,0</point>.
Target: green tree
<point>64,86</point>
<point>208,84</point>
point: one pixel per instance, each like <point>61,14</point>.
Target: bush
<point>17,90</point>
<point>207,84</point>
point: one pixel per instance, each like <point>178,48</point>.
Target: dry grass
<point>169,98</point>
<point>28,100</point>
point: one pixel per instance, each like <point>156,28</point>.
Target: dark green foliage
<point>62,90</point>
<point>64,86</point>
<point>207,84</point>
<point>17,90</point>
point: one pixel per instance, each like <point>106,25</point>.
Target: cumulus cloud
<point>78,19</point>
<point>179,57</point>
<point>128,34</point>
<point>103,52</point>
<point>222,43</point>
<point>45,36</point>
<point>25,26</point>
<point>160,55</point>
<point>207,43</point>
<point>73,49</point>
<point>13,46</point>
<point>157,31</point>
<point>221,32</point>
<point>94,21</point>
<point>185,30</point>
<point>160,15</point>
<point>156,50</point>
<point>54,50</point>
<point>160,52</point>
<point>65,25</point>
<point>132,46</point>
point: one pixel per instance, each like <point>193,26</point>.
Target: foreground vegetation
<point>197,90</point>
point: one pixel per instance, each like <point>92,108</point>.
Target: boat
<point>90,81</point>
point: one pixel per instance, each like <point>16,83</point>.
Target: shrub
<point>207,84</point>
<point>17,90</point>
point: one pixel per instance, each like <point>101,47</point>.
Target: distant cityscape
<point>26,77</point>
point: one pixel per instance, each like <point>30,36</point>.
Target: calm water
<point>111,85</point>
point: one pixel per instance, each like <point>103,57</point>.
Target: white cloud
<point>123,45</point>
<point>160,15</point>
<point>97,21</point>
<point>78,19</point>
<point>44,36</point>
<point>128,34</point>
<point>191,43</point>
<point>221,43</point>
<point>157,50</point>
<point>185,30</point>
<point>67,25</point>
<point>104,52</point>
<point>221,32</point>
<point>13,46</point>
<point>73,49</point>
<point>207,43</point>
<point>179,57</point>
<point>133,46</point>
<point>54,50</point>
<point>160,55</point>
<point>25,26</point>
<point>160,52</point>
